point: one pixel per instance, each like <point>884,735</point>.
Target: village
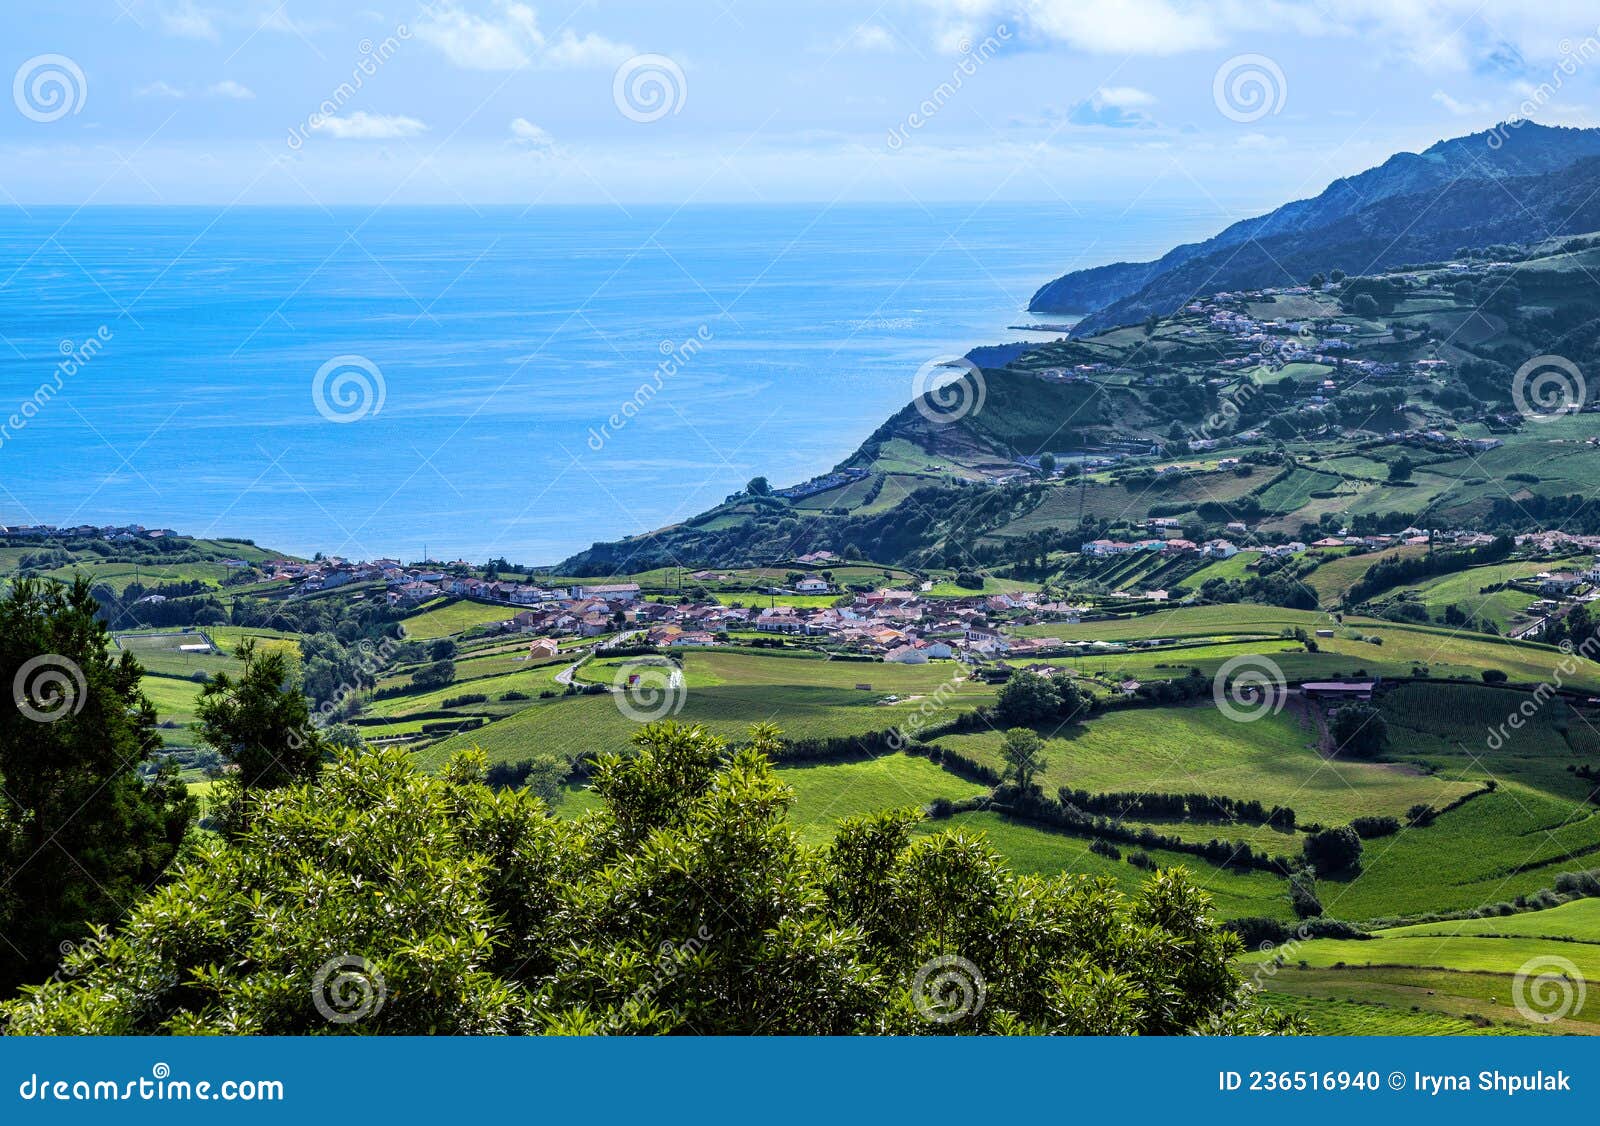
<point>907,624</point>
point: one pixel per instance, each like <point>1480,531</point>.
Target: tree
<point>758,487</point>
<point>377,899</point>
<point>444,649</point>
<point>1316,281</point>
<point>1493,676</point>
<point>81,834</point>
<point>1400,468</point>
<point>1027,698</point>
<point>261,725</point>
<point>1333,851</point>
<point>1359,730</point>
<point>1365,305</point>
<point>1024,755</point>
<point>1047,464</point>
<point>435,674</point>
<point>1336,276</point>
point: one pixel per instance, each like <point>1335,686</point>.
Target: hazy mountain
<point>1125,292</point>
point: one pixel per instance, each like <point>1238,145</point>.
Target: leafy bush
<point>686,903</point>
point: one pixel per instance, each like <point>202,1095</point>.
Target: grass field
<point>1332,579</point>
<point>452,616</point>
<point>1037,851</point>
<point>828,793</point>
<point>728,692</point>
<point>1199,749</point>
<point>1415,980</point>
<point>1446,652</point>
<point>1465,589</point>
<point>1497,846</point>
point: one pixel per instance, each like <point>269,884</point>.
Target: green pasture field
<point>1464,588</point>
<point>1293,491</point>
<point>1462,954</point>
<point>229,638</point>
<point>827,707</point>
<point>742,667</point>
<point>117,574</point>
<point>1273,760</point>
<point>1578,921</point>
<point>828,793</point>
<point>1037,851</point>
<point>1352,1016</point>
<point>444,617</point>
<point>531,681</point>
<point>1332,579</point>
<point>1447,652</point>
<point>1514,841</point>
<point>174,701</point>
<point>1465,729</point>
<point>1236,569</point>
<point>762,601</point>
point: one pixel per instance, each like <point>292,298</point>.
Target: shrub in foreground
<point>379,899</point>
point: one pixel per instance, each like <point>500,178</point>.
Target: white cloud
<point>228,88</point>
<point>530,136</point>
<point>510,39</point>
<point>870,37</point>
<point>1459,108</point>
<point>187,21</point>
<point>159,89</point>
<point>1486,36</point>
<point>1125,96</point>
<point>364,126</point>
<point>1115,107</point>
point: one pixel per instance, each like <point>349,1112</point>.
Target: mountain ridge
<point>1110,294</point>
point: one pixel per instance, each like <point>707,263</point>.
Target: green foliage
<point>684,904</point>
<point>1359,730</point>
<point>261,725</point>
<point>1027,698</point>
<point>81,835</point>
<point>1333,851</point>
<point>1024,755</point>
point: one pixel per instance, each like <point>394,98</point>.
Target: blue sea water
<point>494,347</point>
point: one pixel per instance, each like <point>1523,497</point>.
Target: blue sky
<point>485,101</point>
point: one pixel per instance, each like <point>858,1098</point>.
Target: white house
<point>906,655</point>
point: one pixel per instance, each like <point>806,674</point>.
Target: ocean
<point>466,382</point>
